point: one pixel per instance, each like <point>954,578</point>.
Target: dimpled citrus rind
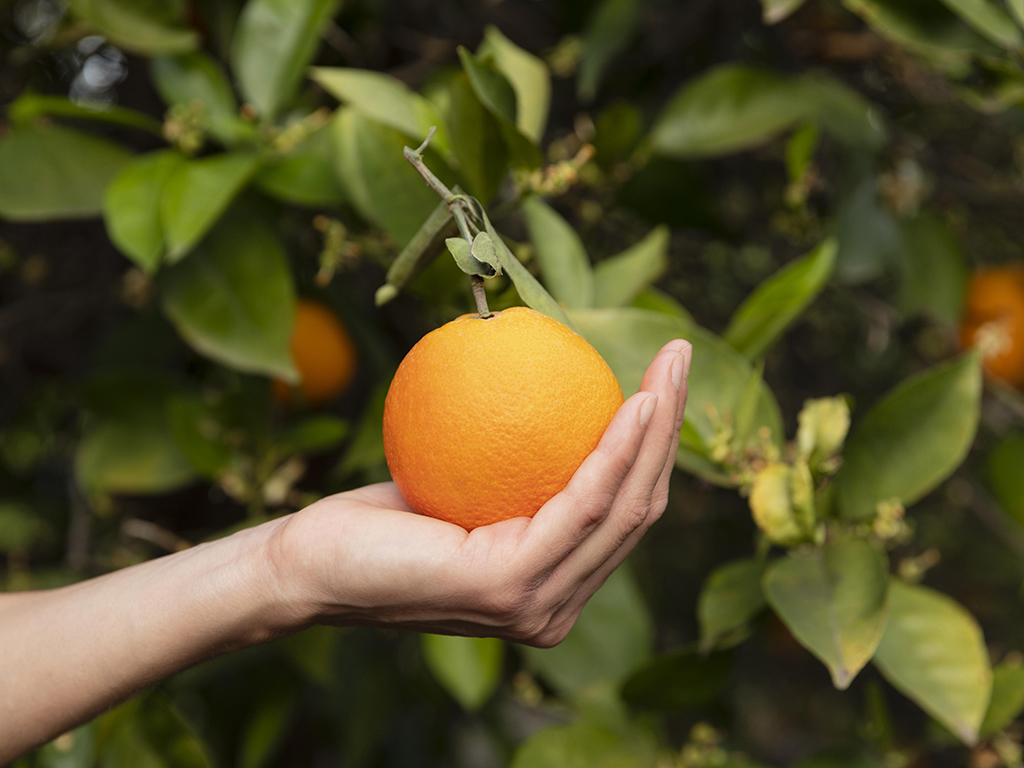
<point>486,420</point>
<point>995,302</point>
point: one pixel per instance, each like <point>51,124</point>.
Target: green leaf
<point>134,28</point>
<point>265,730</point>
<point>417,253</point>
<point>20,528</point>
<point>196,78</point>
<point>461,251</point>
<point>274,42</point>
<point>304,176</point>
<point>912,440</point>
<point>779,300</point>
<point>469,668</point>
<point>563,260</point>
<point>989,19</point>
<point>583,744</point>
<point>923,26</point>
<point>774,11</point>
<point>498,96</point>
<point>842,112</point>
<point>313,651</point>
<point>1004,476</point>
<point>620,279</point>
<point>800,150</point>
<point>527,286</point>
<point>29,107</point>
<point>484,251</point>
<point>315,434</point>
<point>1007,702</point>
<point>376,178</point>
<point>628,338</point>
<point>609,30</point>
<point>385,99</point>
<point>612,637</point>
<point>867,232</point>
<point>196,196</point>
<point>233,300</point>
<point>729,599</point>
<point>198,433</point>
<point>934,272</point>
<point>477,142</point>
<point>131,206</point>
<point>528,76</point>
<point>1017,9</point>
<point>149,732</point>
<point>679,681</point>
<point>833,599</point>
<point>55,173</point>
<point>658,301</point>
<point>728,109</point>
<point>933,651</point>
<point>366,451</point>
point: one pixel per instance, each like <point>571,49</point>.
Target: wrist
<point>283,595</point>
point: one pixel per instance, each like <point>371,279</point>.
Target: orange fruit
<point>323,352</point>
<point>994,321</point>
<point>487,419</point>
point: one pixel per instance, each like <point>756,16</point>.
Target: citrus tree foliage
<point>282,162</point>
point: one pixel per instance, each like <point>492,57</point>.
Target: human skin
<point>356,558</point>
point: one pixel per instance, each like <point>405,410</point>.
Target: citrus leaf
<point>385,99</point>
<point>417,253</point>
<point>933,651</point>
<point>564,264</point>
<point>926,28</point>
<point>779,300</point>
<point>583,744</point>
<point>833,599</point>
<point>265,730</point>
<point>20,528</point>
<point>1004,476</point>
<point>303,176</point>
<point>196,77</point>
<point>989,19</point>
<point>629,338</point>
<point>130,27</point>
<point>1007,702</point>
<point>28,107</point>
<point>678,681</point>
<point>376,178</point>
<point>729,599</point>
<point>620,279</point>
<point>611,638</point>
<point>498,96</point>
<point>933,270</point>
<point>315,434</point>
<point>197,194</point>
<point>131,206</point>
<point>484,251</point>
<point>527,286</point>
<point>528,76</point>
<point>461,250</point>
<point>196,429</point>
<point>234,301</point>
<point>1017,9</point>
<point>912,440</point>
<point>469,668</point>
<point>55,173</point>
<point>273,43</point>
<point>609,29</point>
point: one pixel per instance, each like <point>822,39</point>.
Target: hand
<point>361,558</point>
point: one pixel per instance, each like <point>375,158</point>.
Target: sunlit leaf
<point>196,195</point>
<point>468,667</point>
<point>528,76</point>
<point>612,638</point>
<point>233,301</point>
<point>131,206</point>
<point>55,173</point>
<point>274,42</point>
<point>833,600</point>
<point>618,280</point>
<point>912,440</point>
<point>933,651</point>
<point>729,599</point>
<point>196,78</point>
<point>563,260</point>
<point>778,301</point>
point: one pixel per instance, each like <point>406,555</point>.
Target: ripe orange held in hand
<point>487,419</point>
<point>323,352</point>
<point>994,321</point>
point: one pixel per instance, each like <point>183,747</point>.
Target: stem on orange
<point>457,204</point>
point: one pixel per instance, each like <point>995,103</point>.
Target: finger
<point>571,515</point>
<point>632,503</point>
<point>660,496</point>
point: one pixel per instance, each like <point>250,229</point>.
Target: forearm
<point>70,653</point>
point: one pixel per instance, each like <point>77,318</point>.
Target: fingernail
<point>687,358</point>
<point>647,410</point>
<point>678,364</point>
